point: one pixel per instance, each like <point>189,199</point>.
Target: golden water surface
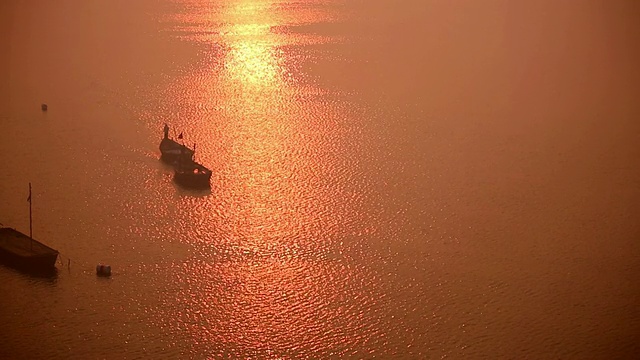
<point>391,179</point>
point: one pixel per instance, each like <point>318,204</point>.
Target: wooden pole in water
<point>30,220</point>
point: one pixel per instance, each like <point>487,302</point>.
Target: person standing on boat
<point>166,131</point>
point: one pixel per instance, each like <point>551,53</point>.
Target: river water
<point>391,179</point>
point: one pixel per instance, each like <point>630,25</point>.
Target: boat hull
<point>44,262</point>
<point>20,251</point>
<point>193,180</point>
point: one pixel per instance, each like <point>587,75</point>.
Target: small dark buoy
<point>44,107</point>
<point>103,270</point>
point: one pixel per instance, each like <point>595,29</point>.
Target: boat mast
<point>30,220</point>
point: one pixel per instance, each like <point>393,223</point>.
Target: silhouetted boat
<point>172,151</point>
<point>25,252</point>
<point>192,175</point>
<point>187,172</point>
<point>20,250</point>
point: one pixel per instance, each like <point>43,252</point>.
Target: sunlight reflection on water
<point>272,273</point>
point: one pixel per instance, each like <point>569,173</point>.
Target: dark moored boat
<point>192,175</point>
<point>172,151</point>
<point>19,250</point>
<point>25,252</point>
<point>187,172</point>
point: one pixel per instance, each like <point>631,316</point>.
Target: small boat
<point>172,151</point>
<point>192,175</point>
<point>25,252</point>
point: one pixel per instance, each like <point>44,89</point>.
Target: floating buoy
<point>44,107</point>
<point>103,270</point>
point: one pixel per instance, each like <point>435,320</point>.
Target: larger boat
<point>25,252</point>
<point>171,151</point>
<point>20,250</point>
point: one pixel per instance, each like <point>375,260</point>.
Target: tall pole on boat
<point>30,220</point>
